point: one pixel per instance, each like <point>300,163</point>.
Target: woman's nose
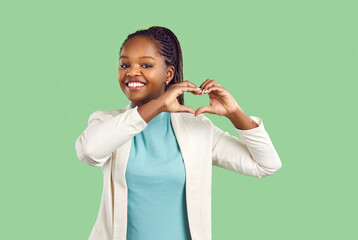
<point>132,71</point>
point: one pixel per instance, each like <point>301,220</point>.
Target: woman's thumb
<point>183,108</point>
<point>203,110</point>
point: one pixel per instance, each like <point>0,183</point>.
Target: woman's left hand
<point>221,101</point>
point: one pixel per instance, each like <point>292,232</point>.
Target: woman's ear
<point>170,73</point>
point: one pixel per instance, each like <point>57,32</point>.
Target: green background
<point>291,63</point>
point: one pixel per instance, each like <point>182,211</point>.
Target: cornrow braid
<point>169,47</point>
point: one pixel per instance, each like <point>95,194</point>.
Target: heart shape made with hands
<point>219,102</point>
<point>197,102</point>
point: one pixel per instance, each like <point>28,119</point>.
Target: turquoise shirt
<point>155,178</point>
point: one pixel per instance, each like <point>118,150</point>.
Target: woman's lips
<point>136,86</point>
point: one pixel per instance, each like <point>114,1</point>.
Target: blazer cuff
<point>138,120</point>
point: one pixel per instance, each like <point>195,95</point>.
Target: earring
<point>167,82</point>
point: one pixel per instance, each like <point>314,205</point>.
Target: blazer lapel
<point>181,132</point>
<point>182,135</point>
<point>120,188</point>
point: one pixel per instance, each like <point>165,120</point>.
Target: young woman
<point>157,154</point>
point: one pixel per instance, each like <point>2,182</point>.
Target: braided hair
<point>169,47</point>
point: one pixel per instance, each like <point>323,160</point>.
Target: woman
<point>157,154</point>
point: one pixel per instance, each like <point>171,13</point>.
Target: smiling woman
<point>142,73</point>
<point>157,154</point>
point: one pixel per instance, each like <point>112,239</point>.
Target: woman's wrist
<point>241,120</point>
<point>150,109</point>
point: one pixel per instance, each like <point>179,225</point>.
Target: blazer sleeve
<point>105,133</point>
<point>252,155</point>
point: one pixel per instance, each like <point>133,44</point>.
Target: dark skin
<point>140,61</point>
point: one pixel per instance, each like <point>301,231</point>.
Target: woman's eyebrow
<point>140,57</point>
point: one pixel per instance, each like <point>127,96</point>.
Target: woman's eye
<point>147,65</point>
<point>123,65</point>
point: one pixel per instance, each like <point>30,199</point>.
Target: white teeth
<point>135,84</point>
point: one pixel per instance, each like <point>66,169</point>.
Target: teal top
<point>155,176</point>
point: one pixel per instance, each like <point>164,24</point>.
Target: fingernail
<point>205,91</point>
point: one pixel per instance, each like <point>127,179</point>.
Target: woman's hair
<point>169,47</point>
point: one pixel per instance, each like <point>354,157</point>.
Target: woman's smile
<point>135,85</point>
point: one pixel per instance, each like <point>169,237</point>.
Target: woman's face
<point>142,72</point>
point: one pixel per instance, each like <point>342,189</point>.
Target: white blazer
<point>106,143</point>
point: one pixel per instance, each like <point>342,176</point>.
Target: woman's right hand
<point>169,99</point>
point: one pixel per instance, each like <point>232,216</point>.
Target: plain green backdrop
<point>291,63</point>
